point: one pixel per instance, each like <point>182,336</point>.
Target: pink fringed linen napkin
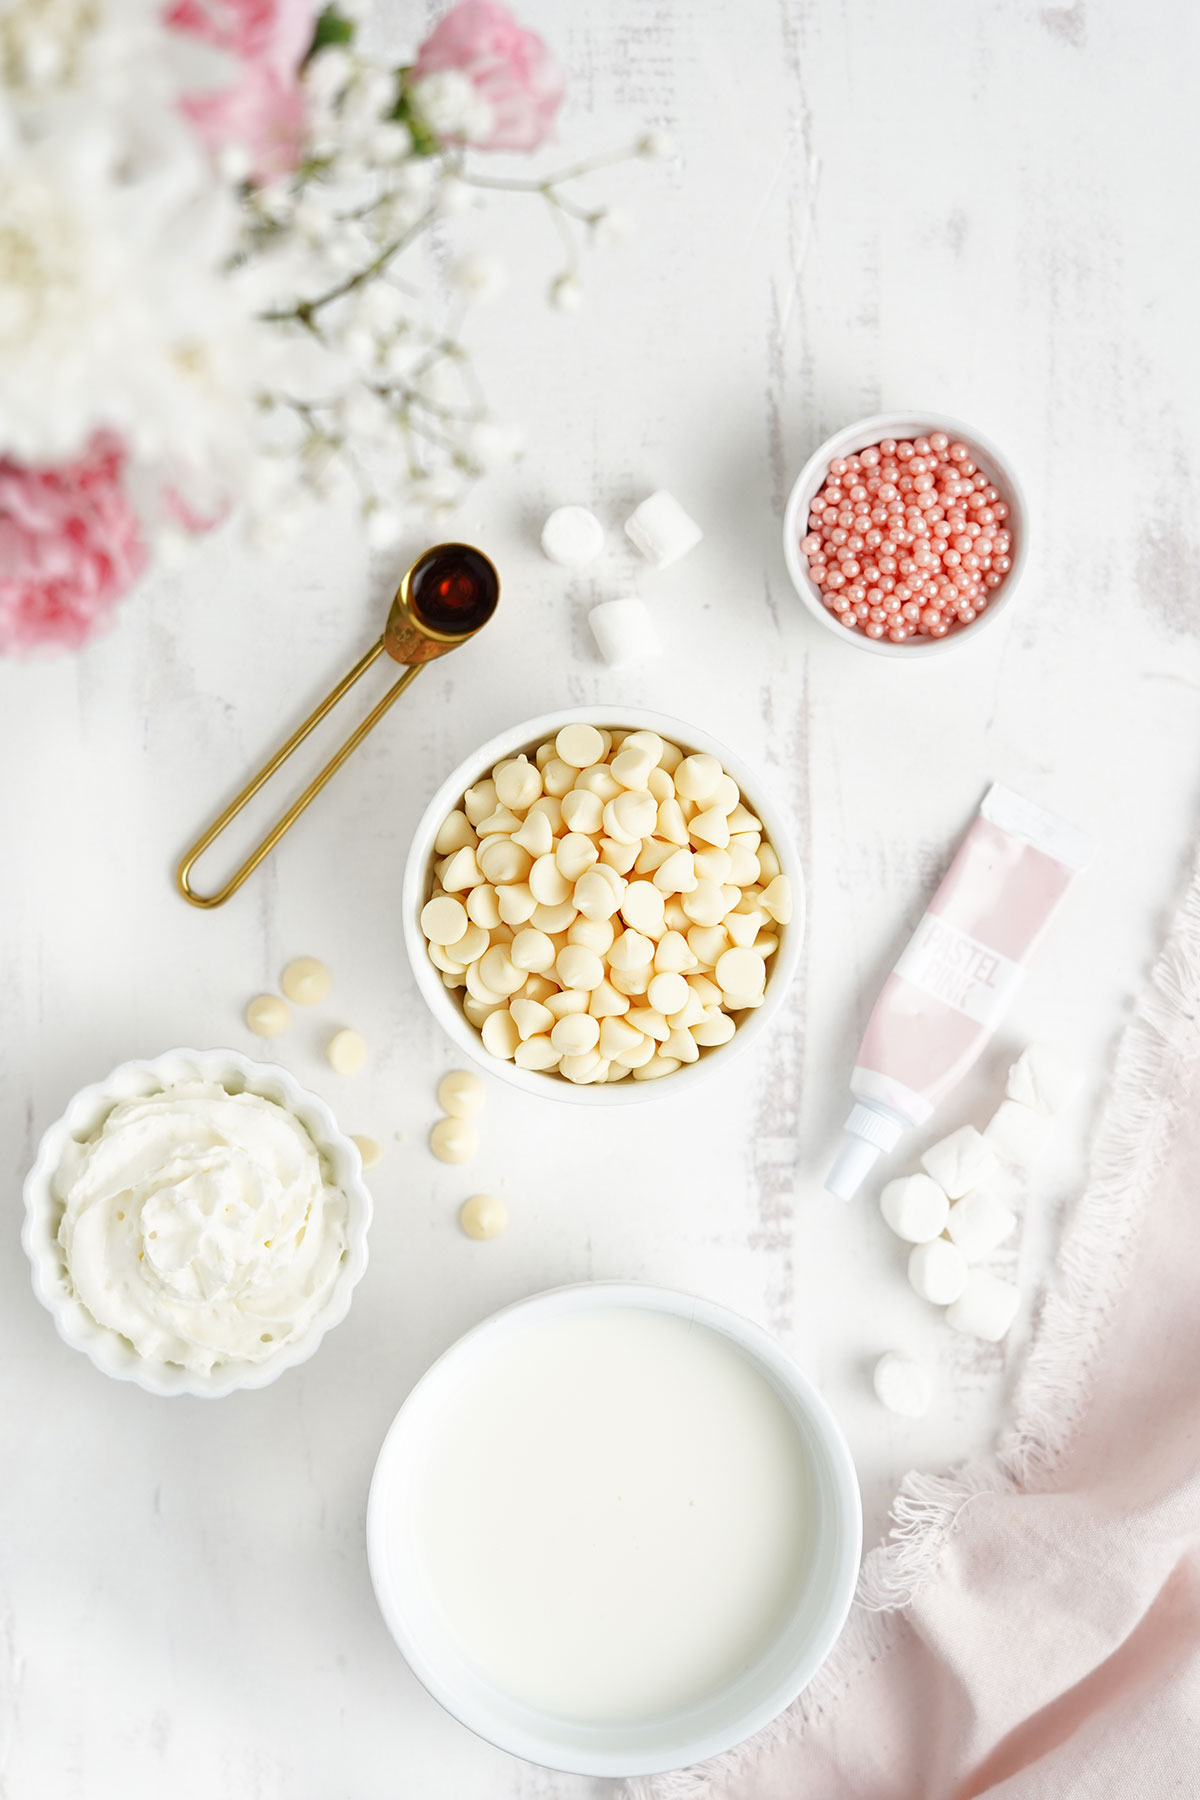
<point>1031,1629</point>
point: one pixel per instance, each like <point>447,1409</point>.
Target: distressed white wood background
<point>985,210</point>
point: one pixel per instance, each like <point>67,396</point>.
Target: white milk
<point>614,1514</point>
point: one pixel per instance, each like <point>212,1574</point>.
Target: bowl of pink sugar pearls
<point>905,535</point>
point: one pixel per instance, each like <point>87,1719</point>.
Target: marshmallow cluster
<point>957,1213</point>
<point>607,906</point>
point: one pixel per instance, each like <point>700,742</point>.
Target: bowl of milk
<point>614,1530</point>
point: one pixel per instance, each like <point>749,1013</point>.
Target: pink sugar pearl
<point>907,539</point>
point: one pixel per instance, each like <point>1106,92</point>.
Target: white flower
<point>656,145</point>
<point>610,226</point>
<point>327,75</point>
<point>452,106</point>
<point>454,196</point>
<point>566,293</point>
<point>479,278</point>
<point>390,142</point>
<point>115,307</point>
<point>489,444</point>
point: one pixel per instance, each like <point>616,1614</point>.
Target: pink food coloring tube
<point>964,962</point>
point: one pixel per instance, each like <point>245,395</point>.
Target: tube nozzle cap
<point>870,1131</point>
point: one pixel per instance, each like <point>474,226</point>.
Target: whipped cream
<point>200,1225</point>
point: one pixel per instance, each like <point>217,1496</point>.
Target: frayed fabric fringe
<point>1094,1264</point>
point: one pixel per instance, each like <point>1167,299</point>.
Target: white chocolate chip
<point>483,1216</point>
<point>709,827</point>
<point>500,1035</point>
<point>462,871</point>
<point>578,967</point>
<point>461,1093</point>
<point>705,905</point>
<point>642,908</point>
<point>518,783</point>
<point>346,1051</point>
<point>532,949</point>
<point>740,972</point>
<point>535,835</point>
<point>307,981</point>
<point>536,1053</point>
<point>575,1034</point>
<point>516,903</point>
<point>547,882</point>
<point>498,972</point>
<point>531,1018</point>
<point>777,899</point>
<point>267,1015</point>
<point>454,1140</point>
<point>582,811</point>
<point>480,800</point>
<point>579,746</point>
<point>454,833</point>
<point>483,906</point>
<point>369,1150</point>
<point>444,920</point>
<point>668,994</point>
<point>574,855</point>
<point>902,1385</point>
<point>698,777</point>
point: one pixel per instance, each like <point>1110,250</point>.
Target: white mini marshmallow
<point>938,1271</point>
<point>915,1207</point>
<point>1044,1079</point>
<point>985,1308</point>
<point>572,536</point>
<point>980,1221</point>
<point>661,530</point>
<point>961,1161</point>
<point>1016,1133</point>
<point>902,1385</point>
<point>624,632</point>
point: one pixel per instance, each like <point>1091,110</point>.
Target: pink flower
<point>69,547</point>
<point>262,111</point>
<point>509,68</point>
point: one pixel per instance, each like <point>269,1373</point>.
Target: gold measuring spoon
<point>448,595</point>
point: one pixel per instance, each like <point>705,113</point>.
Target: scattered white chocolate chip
<point>902,1385</point>
<point>307,981</point>
<point>454,1140</point>
<point>985,1308</point>
<point>1016,1133</point>
<point>461,1094</point>
<point>267,1015</point>
<point>624,632</point>
<point>980,1222</point>
<point>961,1161</point>
<point>369,1149</point>
<point>572,536</point>
<point>938,1271</point>
<point>915,1207</point>
<point>483,1216</point>
<point>346,1051</point>
<point>1044,1079</point>
<point>661,530</point>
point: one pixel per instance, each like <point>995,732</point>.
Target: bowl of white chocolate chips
<point>601,898</point>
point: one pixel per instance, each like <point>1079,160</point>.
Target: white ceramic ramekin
<point>900,426</point>
<point>113,1354</point>
<point>527,736</point>
<point>724,1719</point>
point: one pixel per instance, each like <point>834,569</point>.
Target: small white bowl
<point>115,1355</point>
<point>527,736</point>
<point>900,426</point>
<point>677,1740</point>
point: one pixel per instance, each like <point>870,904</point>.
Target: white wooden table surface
<point>982,210</point>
